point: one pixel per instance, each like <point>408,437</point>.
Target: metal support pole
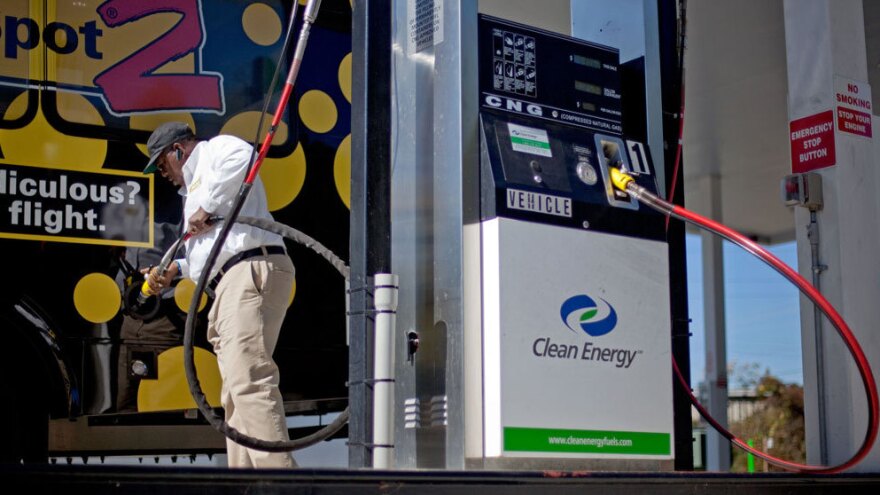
<point>826,57</point>
<point>370,204</point>
<point>671,82</point>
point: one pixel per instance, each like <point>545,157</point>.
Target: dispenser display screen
<point>585,105</point>
<point>586,61</point>
<point>587,87</point>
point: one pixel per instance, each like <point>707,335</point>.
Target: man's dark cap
<point>164,136</point>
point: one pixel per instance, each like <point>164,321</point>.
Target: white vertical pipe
<point>717,447</point>
<point>385,302</point>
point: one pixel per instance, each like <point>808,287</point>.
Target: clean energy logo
<point>595,318</point>
<point>582,312</point>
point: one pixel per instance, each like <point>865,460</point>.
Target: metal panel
<point>434,146</point>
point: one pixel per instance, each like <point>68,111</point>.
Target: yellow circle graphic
<point>317,111</point>
<point>342,171</point>
<point>97,297</point>
<point>183,295</point>
<point>244,125</point>
<point>292,293</point>
<point>283,178</point>
<point>150,121</point>
<point>39,144</point>
<point>171,391</point>
<point>261,24</point>
<point>344,76</point>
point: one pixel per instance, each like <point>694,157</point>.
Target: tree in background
<point>776,426</point>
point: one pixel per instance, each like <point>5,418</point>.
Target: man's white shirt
<point>212,176</point>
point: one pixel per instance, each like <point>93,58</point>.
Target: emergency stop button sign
<point>812,142</point>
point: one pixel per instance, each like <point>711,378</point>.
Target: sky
<point>762,313</point>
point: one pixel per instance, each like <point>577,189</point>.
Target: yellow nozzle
<point>145,289</point>
<point>620,179</point>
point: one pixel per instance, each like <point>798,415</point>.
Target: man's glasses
<point>160,162</point>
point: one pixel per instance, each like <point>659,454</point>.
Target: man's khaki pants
<point>243,326</point>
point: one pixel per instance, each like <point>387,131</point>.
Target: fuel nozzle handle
<point>626,182</point>
<point>621,180</point>
<point>139,302</point>
<point>162,267</point>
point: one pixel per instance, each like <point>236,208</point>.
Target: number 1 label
<point>637,158</point>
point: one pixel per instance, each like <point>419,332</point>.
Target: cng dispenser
<point>533,309</point>
<point>569,284</point>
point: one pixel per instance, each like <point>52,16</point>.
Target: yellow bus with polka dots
<point>82,84</point>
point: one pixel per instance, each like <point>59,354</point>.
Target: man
<point>253,277</point>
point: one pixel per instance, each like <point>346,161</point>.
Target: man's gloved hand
<point>158,281</point>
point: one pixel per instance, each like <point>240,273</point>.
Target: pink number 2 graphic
<point>131,86</point>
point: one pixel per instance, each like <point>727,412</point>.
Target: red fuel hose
<point>625,182</point>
